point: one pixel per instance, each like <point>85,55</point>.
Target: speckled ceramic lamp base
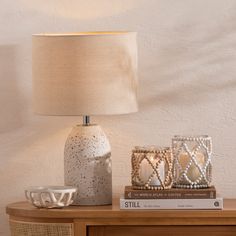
<point>88,165</point>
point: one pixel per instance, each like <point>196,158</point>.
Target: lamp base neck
<point>86,120</point>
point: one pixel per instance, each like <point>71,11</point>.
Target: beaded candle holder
<point>192,161</point>
<point>151,168</point>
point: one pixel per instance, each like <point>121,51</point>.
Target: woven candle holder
<point>151,168</point>
<point>192,161</point>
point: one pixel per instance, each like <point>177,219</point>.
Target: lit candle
<point>146,170</point>
<point>193,172</point>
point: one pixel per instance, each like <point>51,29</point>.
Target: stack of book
<point>174,198</point>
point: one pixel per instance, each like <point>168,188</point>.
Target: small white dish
<point>50,196</point>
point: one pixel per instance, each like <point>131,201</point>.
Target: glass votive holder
<point>192,167</point>
<point>151,168</point>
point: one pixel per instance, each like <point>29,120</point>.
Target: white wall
<point>187,68</point>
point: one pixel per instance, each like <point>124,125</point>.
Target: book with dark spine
<point>173,193</point>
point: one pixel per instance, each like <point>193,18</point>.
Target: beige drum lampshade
<point>85,73</point>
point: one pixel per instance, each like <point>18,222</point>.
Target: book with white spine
<point>155,204</point>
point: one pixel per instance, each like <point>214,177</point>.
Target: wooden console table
<point>26,220</point>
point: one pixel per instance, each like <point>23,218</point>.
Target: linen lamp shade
<point>85,73</point>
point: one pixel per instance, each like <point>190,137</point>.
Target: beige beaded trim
<point>164,154</point>
<point>191,145</point>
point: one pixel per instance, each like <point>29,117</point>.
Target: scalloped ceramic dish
<point>50,196</point>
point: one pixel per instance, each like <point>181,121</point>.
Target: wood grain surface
<point>110,220</point>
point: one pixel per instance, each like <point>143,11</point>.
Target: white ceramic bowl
<point>50,196</point>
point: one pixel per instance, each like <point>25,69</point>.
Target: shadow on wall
<point>11,100</point>
<point>79,9</point>
<point>194,62</point>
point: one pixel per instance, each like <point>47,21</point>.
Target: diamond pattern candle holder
<point>151,168</point>
<point>192,161</point>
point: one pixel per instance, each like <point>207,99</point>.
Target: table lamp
<point>91,73</point>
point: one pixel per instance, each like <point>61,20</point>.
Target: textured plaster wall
<point>187,69</point>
